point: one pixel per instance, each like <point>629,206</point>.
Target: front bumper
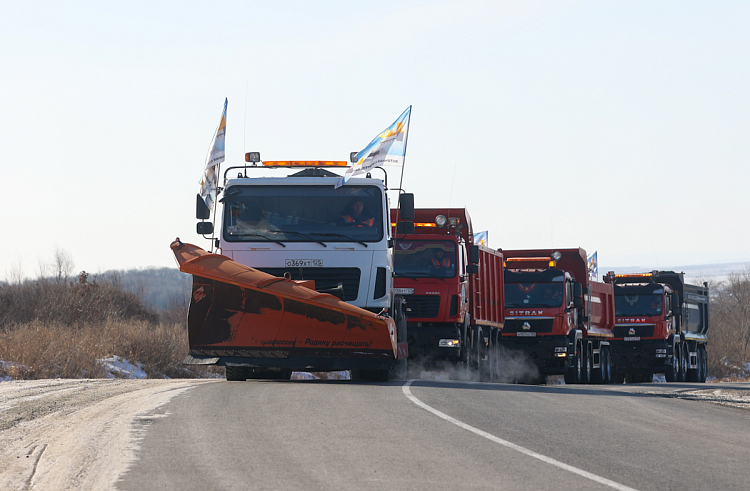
<point>424,341</point>
<point>641,356</point>
<point>540,351</point>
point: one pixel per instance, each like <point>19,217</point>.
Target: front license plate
<point>403,291</point>
<point>526,334</point>
<point>303,263</point>
<point>632,338</point>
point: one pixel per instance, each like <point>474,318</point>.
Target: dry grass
<point>55,350</point>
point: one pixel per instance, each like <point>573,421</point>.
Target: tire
<point>237,374</point>
<point>597,375</point>
<point>573,373</point>
<point>684,362</point>
<point>587,365</point>
<point>673,371</point>
<point>704,369</point>
<point>375,375</point>
<point>694,374</point>
<point>607,366</point>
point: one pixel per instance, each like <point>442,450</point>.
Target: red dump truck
<point>554,314</point>
<point>662,327</point>
<point>452,288</point>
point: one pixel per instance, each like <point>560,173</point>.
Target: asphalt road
<point>270,435</point>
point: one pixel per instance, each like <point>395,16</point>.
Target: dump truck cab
<point>303,227</point>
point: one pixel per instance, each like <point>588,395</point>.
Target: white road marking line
<point>513,446</point>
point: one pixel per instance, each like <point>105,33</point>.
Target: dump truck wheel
<point>684,361</point>
<point>573,374</point>
<point>375,375</point>
<point>237,374</point>
<point>673,371</point>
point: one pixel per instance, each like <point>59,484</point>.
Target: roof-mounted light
<point>425,224</point>
<point>440,220</point>
<point>556,255</point>
<point>353,157</point>
<point>529,262</point>
<point>305,163</point>
<point>252,157</point>
<point>453,222</point>
<point>639,275</point>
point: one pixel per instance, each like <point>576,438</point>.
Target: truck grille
<point>422,306</point>
<point>536,325</point>
<point>325,278</point>
<point>646,331</point>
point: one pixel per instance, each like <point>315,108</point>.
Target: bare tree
<point>62,265</point>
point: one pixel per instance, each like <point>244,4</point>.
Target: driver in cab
<point>355,215</point>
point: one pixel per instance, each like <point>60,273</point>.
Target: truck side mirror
<point>473,254</point>
<point>205,228</point>
<point>201,210</point>
<point>675,300</point>
<point>404,228</point>
<point>577,295</point>
<point>472,269</point>
<point>406,206</point>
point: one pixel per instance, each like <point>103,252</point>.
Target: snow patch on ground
<point>8,368</point>
<point>118,367</point>
<point>340,375</point>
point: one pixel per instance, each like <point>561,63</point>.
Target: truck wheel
<point>587,364</point>
<point>607,364</point>
<point>673,371</point>
<point>696,374</point>
<point>598,375</point>
<point>236,374</point>
<point>684,362</point>
<point>573,373</point>
<point>375,375</point>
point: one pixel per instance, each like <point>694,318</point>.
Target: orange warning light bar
<point>539,260</point>
<point>305,163</point>
<point>426,224</point>
<point>640,275</point>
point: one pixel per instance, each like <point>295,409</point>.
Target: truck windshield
<point>303,214</point>
<point>648,304</point>
<point>425,258</point>
<point>534,288</point>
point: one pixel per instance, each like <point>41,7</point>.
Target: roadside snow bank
<point>117,367</point>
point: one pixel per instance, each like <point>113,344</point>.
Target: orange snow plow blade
<point>240,316</point>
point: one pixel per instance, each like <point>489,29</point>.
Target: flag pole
<point>403,164</point>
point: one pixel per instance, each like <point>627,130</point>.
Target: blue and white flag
<point>593,267</point>
<point>210,179</point>
<point>480,238</point>
<point>388,148</point>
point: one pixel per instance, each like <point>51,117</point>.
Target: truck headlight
<point>449,343</point>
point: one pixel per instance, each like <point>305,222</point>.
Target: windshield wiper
<point>415,275</point>
<point>300,233</point>
<point>340,235</point>
<point>259,235</point>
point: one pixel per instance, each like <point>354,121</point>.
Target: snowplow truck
<point>452,289</point>
<point>661,327</point>
<point>331,252</point>
<point>558,317</point>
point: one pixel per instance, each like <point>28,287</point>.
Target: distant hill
<point>158,287</point>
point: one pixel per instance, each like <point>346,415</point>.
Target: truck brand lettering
<point>525,312</point>
<point>631,320</point>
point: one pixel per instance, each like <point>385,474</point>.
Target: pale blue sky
<point>619,127</point>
